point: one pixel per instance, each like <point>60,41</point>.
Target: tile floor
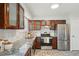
<point>49,52</point>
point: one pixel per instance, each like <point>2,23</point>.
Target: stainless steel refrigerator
<point>62,36</point>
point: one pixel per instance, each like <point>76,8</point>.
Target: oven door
<point>46,44</point>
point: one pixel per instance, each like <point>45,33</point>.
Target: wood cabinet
<point>48,22</point>
<point>43,22</point>
<point>37,43</point>
<point>52,24</point>
<point>21,17</point>
<point>59,22</point>
<point>12,10</point>
<point>2,17</point>
<point>34,24</point>
<point>11,16</point>
<point>37,24</point>
<point>54,42</point>
<point>31,25</point>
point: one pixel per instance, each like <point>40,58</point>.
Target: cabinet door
<point>48,22</point>
<point>60,22</point>
<point>21,17</point>
<point>52,26</point>
<point>38,25</point>
<point>37,43</point>
<point>54,43</point>
<point>43,23</point>
<point>1,15</point>
<point>12,8</point>
<point>31,25</point>
<point>11,16</point>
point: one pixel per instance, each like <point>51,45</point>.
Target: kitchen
<point>46,30</point>
<point>41,34</point>
<point>48,34</point>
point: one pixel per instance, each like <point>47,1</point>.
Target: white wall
<point>49,18</point>
<point>74,32</point>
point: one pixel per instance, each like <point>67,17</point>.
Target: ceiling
<point>44,9</point>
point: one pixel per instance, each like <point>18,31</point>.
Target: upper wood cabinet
<point>12,12</point>
<point>34,24</point>
<point>2,17</point>
<point>48,22</point>
<point>60,22</point>
<point>31,25</point>
<point>43,23</point>
<point>52,24</point>
<point>37,24</point>
<point>12,16</point>
<point>21,17</point>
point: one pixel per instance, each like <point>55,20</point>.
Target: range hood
<point>45,30</point>
<point>45,27</point>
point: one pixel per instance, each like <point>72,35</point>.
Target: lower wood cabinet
<point>28,53</point>
<point>37,43</point>
<point>54,42</point>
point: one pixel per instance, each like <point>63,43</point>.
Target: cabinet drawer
<point>54,43</point>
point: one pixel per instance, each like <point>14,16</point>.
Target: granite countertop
<point>26,46</point>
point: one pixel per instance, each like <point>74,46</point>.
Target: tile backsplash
<point>16,36</point>
<point>12,34</point>
<point>38,33</point>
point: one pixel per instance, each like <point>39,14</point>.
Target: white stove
<point>46,39</point>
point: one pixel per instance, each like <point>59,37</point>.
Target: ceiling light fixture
<point>54,6</point>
